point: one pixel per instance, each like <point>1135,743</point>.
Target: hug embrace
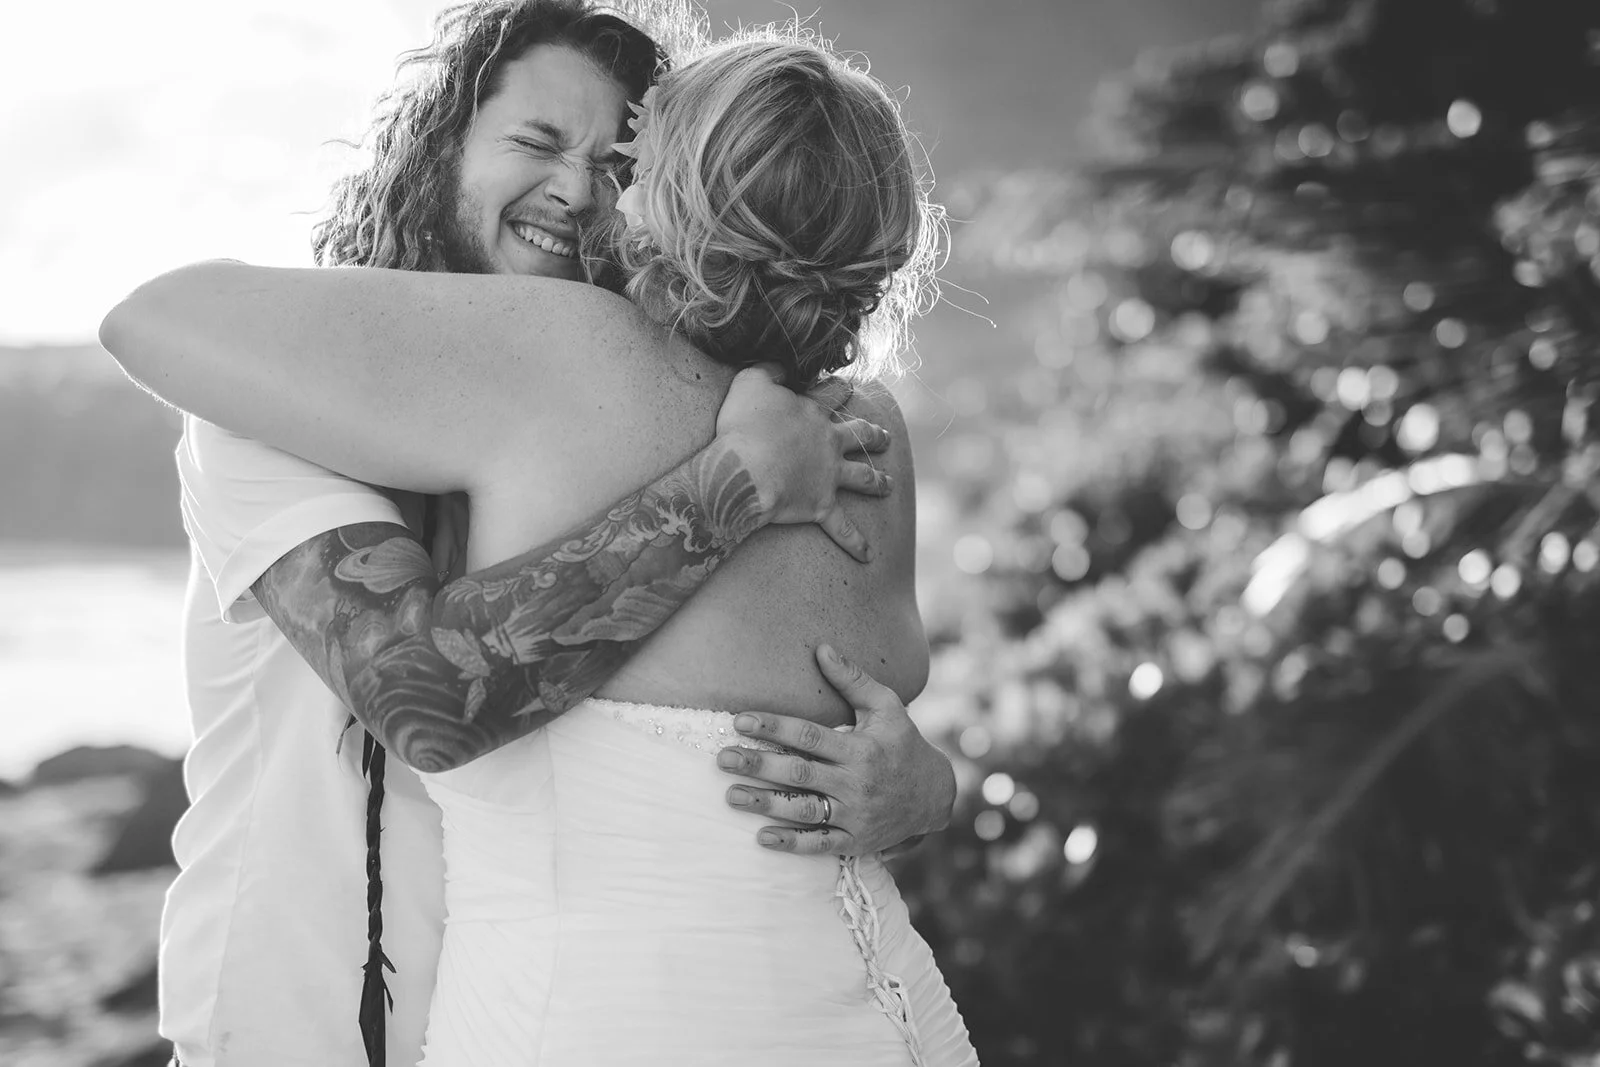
<point>569,476</point>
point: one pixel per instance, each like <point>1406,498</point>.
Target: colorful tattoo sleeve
<point>443,673</point>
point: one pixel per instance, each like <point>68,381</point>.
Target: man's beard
<point>459,240</point>
<point>459,244</point>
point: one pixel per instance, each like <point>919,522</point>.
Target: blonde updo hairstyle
<point>786,217</point>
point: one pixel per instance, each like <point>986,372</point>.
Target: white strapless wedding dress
<point>606,907</point>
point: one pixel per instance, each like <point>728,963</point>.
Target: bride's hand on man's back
<point>800,455</point>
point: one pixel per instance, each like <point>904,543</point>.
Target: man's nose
<point>571,187</point>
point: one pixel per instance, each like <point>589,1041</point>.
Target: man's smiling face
<point>533,165</point>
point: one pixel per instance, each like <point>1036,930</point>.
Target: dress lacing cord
<point>888,991</point>
<point>710,732</point>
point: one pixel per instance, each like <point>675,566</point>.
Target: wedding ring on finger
<point>827,810</point>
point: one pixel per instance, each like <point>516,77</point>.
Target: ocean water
<point>89,652</point>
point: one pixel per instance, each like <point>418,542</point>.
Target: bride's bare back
<point>746,640</point>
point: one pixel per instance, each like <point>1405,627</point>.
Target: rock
<point>92,761</point>
<point>135,996</point>
<point>158,1054</point>
<point>144,840</point>
<point>24,1027</point>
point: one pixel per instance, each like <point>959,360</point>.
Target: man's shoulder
<point>246,504</point>
<point>214,450</point>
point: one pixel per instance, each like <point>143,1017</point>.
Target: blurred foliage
<point>1272,676</point>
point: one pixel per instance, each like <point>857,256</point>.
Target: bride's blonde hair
<point>788,215</point>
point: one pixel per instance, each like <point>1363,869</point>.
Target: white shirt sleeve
<point>246,504</point>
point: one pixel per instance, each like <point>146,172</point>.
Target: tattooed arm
<point>444,673</point>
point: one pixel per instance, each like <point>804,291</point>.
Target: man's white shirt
<point>263,936</point>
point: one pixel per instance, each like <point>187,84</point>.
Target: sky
<point>141,136</point>
<point>176,130</point>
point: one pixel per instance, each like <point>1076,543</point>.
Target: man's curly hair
<point>384,215</point>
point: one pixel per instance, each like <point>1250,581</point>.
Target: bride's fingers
<point>846,534</point>
<point>813,841</point>
<point>801,735</point>
<point>859,435</point>
<point>797,806</point>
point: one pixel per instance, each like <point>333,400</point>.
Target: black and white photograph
<point>885,533</point>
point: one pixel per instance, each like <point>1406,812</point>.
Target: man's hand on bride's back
<point>801,453</point>
<point>851,792</point>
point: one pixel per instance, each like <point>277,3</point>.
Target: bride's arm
<point>396,378</point>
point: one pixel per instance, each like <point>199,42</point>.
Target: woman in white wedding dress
<point>604,906</point>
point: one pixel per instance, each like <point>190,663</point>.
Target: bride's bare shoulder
<point>591,375</point>
<point>555,316</point>
<point>590,305</point>
<point>545,359</point>
<point>605,340</point>
<point>875,401</point>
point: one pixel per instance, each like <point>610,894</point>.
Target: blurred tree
<point>1289,745</point>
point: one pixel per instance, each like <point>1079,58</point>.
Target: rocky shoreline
<point>85,860</point>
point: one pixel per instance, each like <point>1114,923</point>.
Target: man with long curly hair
<point>296,933</point>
